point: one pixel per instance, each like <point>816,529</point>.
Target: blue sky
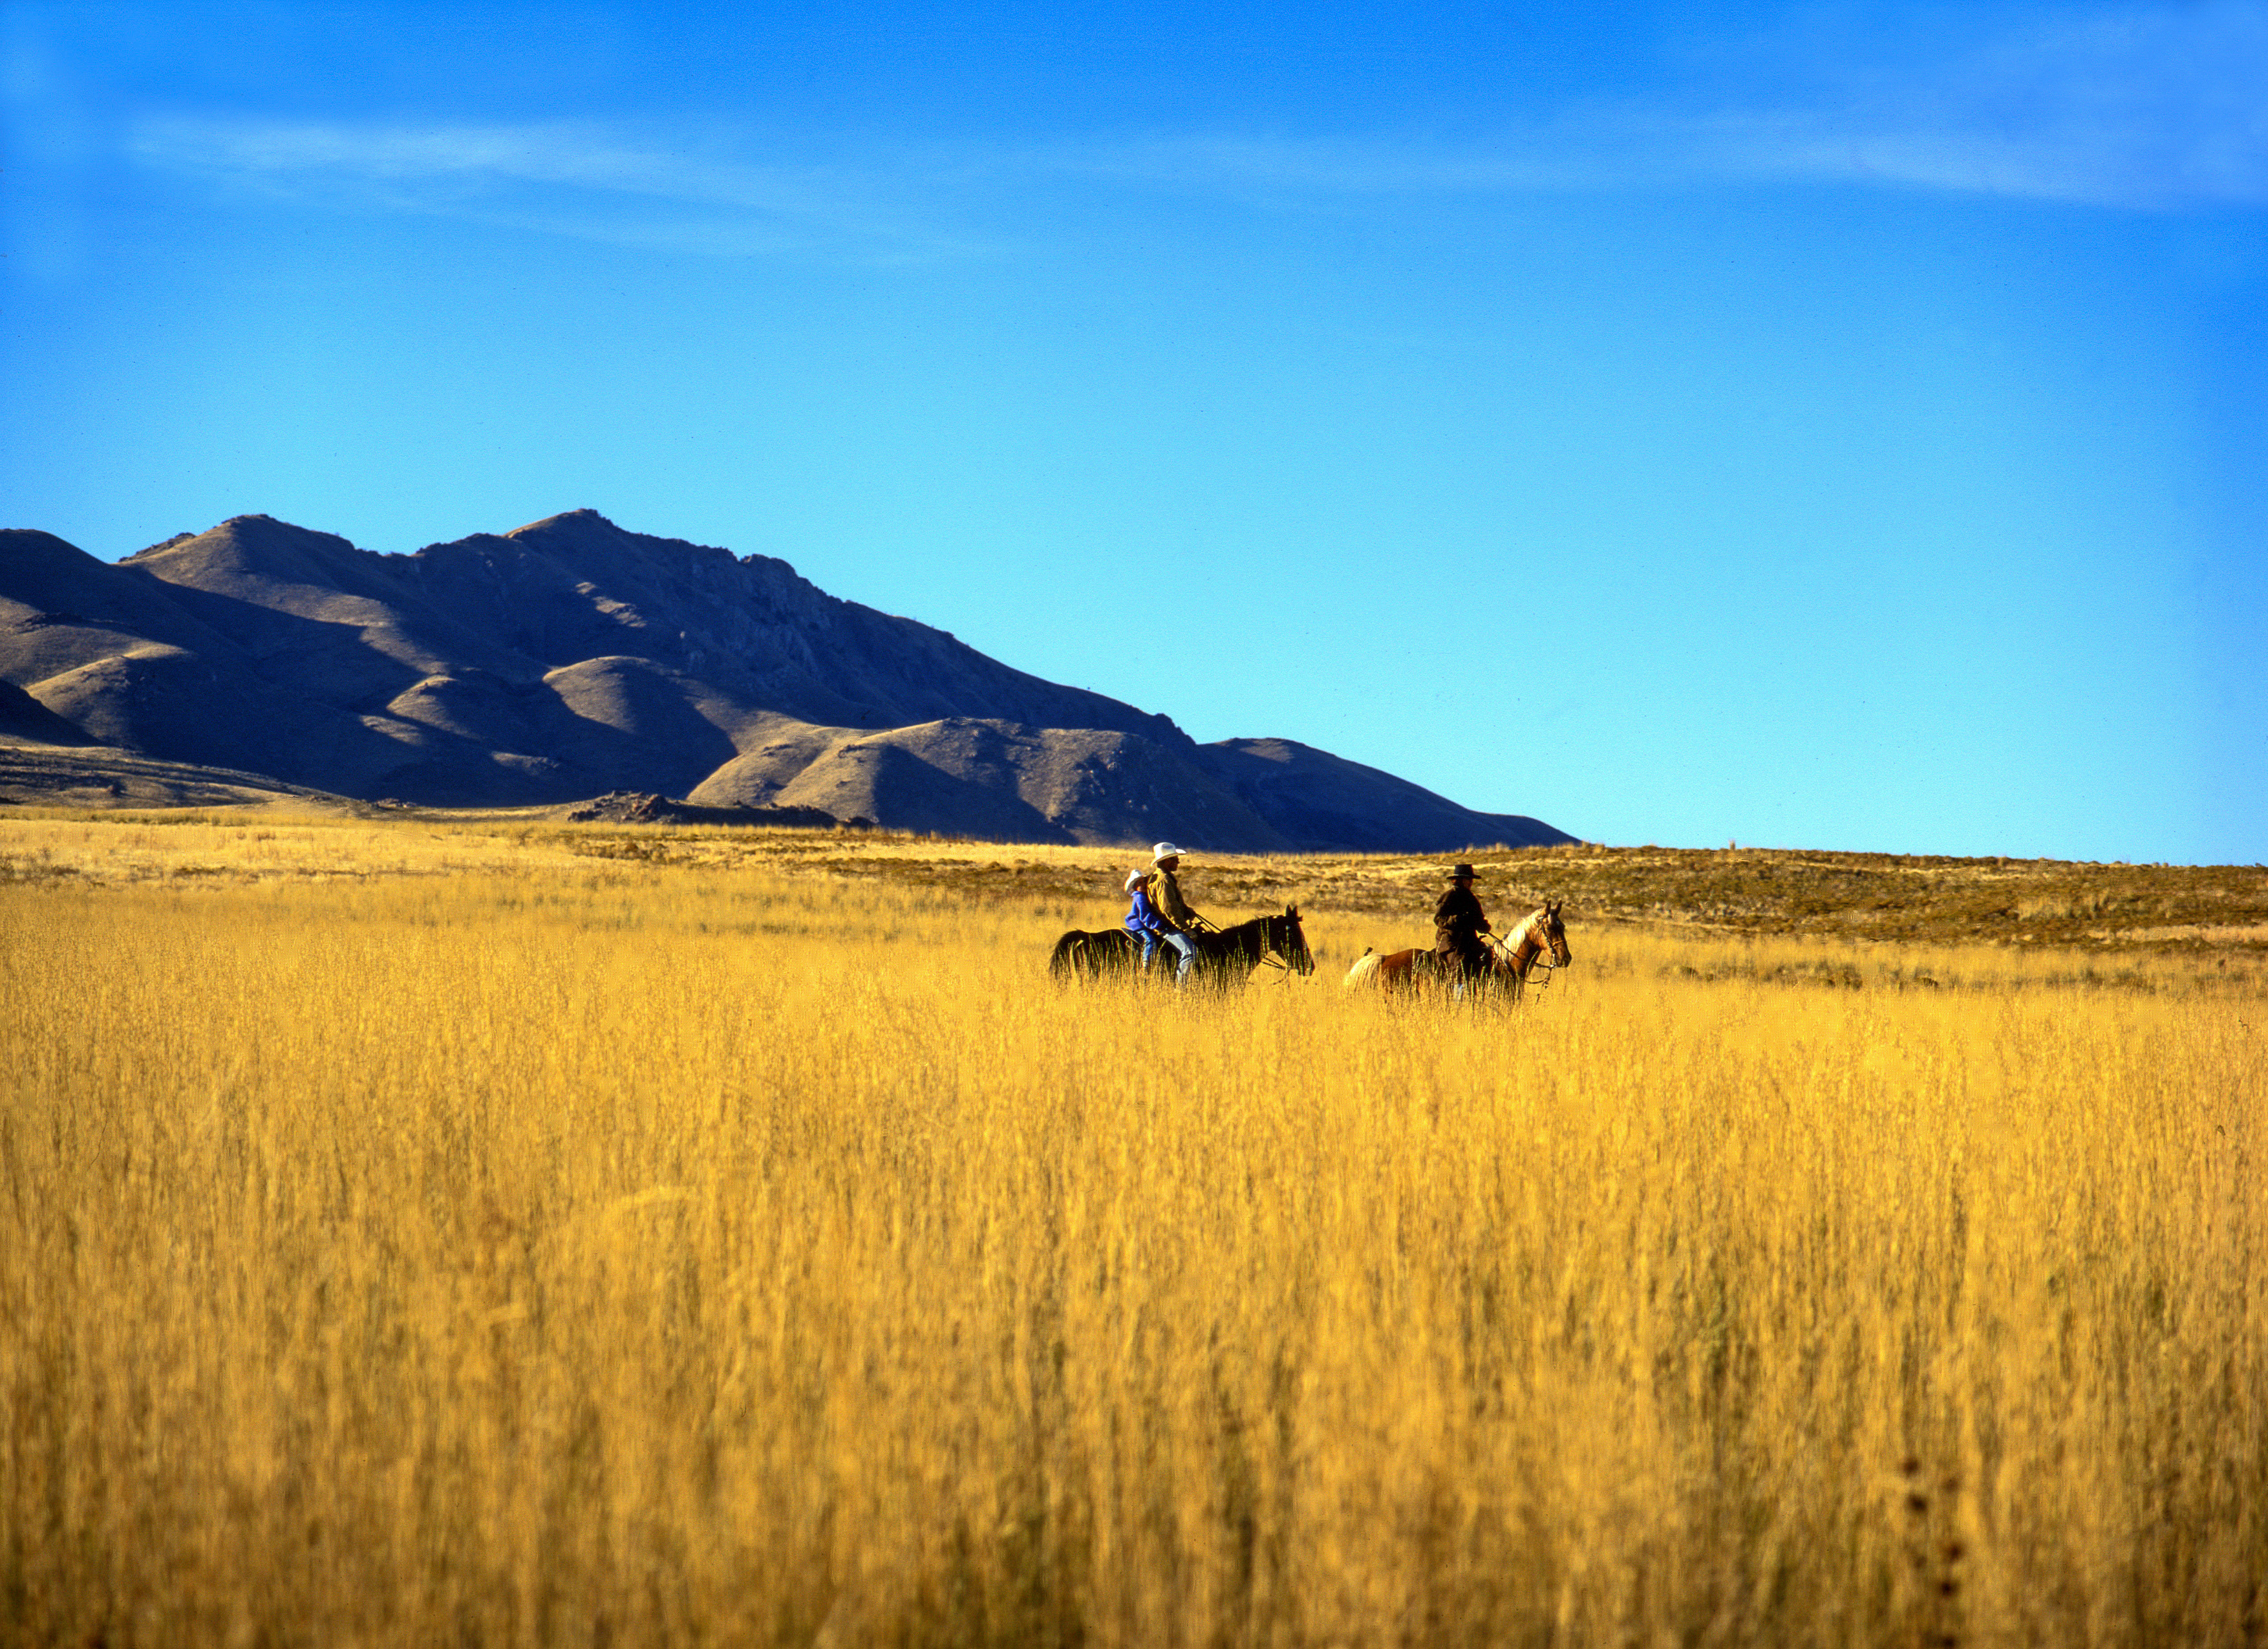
<point>1822,425</point>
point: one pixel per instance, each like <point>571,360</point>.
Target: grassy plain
<point>416,1232</point>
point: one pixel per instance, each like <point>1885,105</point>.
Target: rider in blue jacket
<point>1142,919</point>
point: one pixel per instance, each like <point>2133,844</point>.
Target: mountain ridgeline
<point>571,658</point>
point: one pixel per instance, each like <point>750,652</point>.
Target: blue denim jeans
<point>1149,940</point>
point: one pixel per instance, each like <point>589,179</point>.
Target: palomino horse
<point>1225,956</point>
<point>1509,959</point>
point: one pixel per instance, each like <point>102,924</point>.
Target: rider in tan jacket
<point>1173,909</point>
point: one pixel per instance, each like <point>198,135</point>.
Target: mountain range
<point>571,657</point>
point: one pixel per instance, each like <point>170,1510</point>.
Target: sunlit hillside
<point>414,1232</point>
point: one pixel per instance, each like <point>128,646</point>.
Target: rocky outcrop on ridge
<point>623,807</point>
<point>570,658</point>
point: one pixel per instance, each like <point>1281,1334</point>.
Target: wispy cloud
<point>587,180</point>
<point>2135,107</point>
<point>2150,108</point>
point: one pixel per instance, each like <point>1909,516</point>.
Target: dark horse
<point>1509,959</point>
<point>1225,956</point>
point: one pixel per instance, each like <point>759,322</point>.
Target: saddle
<point>1432,964</point>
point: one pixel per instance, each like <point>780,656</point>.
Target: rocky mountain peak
<point>571,655</point>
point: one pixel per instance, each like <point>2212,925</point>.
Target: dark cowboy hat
<point>1462,874</point>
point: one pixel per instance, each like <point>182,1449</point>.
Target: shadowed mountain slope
<point>24,720</point>
<point>1325,803</point>
<point>575,586</point>
<point>1000,779</point>
<point>570,658</point>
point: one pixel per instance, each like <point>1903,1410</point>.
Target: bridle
<point>1536,926</point>
<point>1272,955</point>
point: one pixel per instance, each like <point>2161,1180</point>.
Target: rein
<point>1271,954</point>
<point>1267,952</point>
<point>1524,934</point>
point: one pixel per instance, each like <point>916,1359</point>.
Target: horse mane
<point>1526,929</point>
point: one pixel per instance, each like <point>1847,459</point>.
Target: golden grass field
<point>428,1233</point>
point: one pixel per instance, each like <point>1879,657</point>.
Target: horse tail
<point>1064,962</point>
<point>1364,972</point>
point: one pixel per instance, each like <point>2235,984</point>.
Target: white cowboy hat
<point>1135,879</point>
<point>1165,850</point>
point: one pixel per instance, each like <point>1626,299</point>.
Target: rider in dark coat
<point>1458,924</point>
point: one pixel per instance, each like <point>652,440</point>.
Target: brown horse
<point>1225,956</point>
<point>1510,958</point>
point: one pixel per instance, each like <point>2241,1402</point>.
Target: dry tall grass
<point>614,1254</point>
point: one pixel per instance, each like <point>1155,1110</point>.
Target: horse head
<point>1288,940</point>
<point>1540,933</point>
<point>1556,933</point>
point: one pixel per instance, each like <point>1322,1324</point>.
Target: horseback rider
<point>1458,924</point>
<point>1141,916</point>
<point>1163,914</point>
